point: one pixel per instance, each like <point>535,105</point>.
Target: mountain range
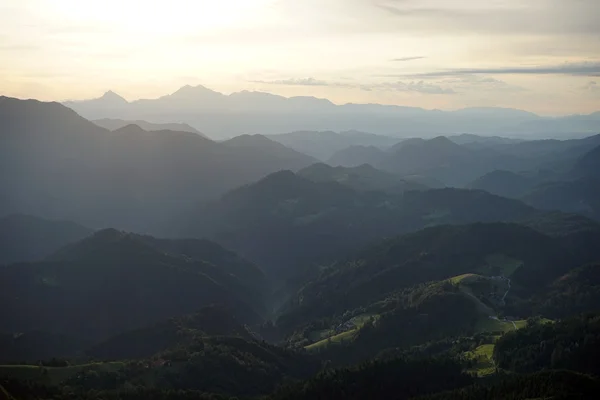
<point>56,164</point>
<point>286,222</point>
<point>457,162</point>
<point>160,264</point>
<point>221,116</point>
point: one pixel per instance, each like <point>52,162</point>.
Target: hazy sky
<point>539,55</point>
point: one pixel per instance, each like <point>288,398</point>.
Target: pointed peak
<point>112,96</point>
<point>187,88</point>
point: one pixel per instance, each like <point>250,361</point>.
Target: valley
<point>151,262</point>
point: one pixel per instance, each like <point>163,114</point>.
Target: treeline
<point>398,379</point>
<point>222,365</point>
<point>19,390</point>
<point>555,385</point>
<point>572,344</point>
<point>410,317</point>
<point>427,313</point>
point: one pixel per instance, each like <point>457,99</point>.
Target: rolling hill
<point>180,331</point>
<point>442,159</point>
<point>529,258</point>
<point>126,282</point>
<point>361,178</point>
<point>285,222</point>
<point>504,183</point>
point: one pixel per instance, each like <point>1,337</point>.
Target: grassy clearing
<point>495,325</point>
<point>336,339</point>
<point>464,277</point>
<point>323,337</point>
<point>362,319</point>
<point>483,359</point>
<point>521,324</point>
<point>485,350</point>
<point>53,375</point>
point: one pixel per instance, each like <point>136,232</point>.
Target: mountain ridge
<point>266,113</point>
<point>51,157</point>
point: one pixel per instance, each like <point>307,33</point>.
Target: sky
<point>539,55</point>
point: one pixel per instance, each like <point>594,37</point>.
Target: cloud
<point>507,17</point>
<point>298,82</point>
<point>592,87</point>
<point>403,59</point>
<point>572,69</point>
<point>399,86</point>
<point>418,87</point>
<point>479,83</point>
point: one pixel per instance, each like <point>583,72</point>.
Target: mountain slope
<point>588,165</point>
<point>576,292</point>
<point>504,183</point>
<point>224,366</point>
<point>120,279</point>
<point>529,258</point>
<point>363,177</point>
<point>36,345</point>
<point>284,221</point>
<point>442,159</point>
<point>259,147</point>
<point>551,384</point>
<point>28,238</point>
<point>571,344</point>
<point>581,196</point>
<point>148,341</point>
<point>58,165</point>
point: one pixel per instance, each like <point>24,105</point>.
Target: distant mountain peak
<point>189,91</point>
<point>112,97</point>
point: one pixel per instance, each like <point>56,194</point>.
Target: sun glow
<point>159,17</point>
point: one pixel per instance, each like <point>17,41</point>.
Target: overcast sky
<point>538,55</point>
